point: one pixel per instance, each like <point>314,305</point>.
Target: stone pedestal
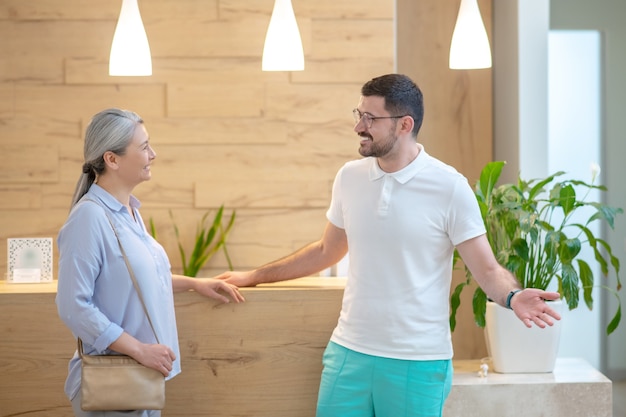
<point>574,389</point>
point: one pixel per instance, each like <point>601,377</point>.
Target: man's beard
<point>378,149</point>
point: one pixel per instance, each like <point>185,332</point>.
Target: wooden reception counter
<point>261,358</point>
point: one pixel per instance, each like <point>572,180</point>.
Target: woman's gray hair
<point>110,130</point>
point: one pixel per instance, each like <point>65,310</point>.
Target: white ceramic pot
<point>514,348</point>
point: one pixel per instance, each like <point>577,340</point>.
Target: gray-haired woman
<point>96,298</point>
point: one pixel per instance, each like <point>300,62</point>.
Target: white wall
<point>574,136</point>
<point>608,17</point>
<point>520,87</point>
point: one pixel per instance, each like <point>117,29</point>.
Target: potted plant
<point>534,231</point>
<point>209,239</point>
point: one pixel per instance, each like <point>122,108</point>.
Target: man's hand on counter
<point>238,278</point>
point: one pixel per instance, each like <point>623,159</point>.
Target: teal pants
<point>357,385</point>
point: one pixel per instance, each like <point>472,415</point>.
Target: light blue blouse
<point>95,297</point>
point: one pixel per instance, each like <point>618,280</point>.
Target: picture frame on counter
<point>29,260</point>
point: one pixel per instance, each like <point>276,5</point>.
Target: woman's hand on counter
<point>209,287</point>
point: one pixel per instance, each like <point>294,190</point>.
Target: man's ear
<point>406,124</point>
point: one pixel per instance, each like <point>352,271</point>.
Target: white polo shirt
<point>402,228</point>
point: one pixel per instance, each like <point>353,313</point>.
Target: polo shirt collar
<point>406,173</point>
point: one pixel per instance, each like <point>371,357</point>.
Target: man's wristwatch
<point>509,297</point>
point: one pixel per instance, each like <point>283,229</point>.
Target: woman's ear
<point>110,159</point>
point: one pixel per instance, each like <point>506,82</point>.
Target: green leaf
<point>552,243</point>
<point>153,231</point>
<point>614,262</point>
<point>455,303</point>
<point>539,187</point>
<point>604,266</point>
<point>225,233</point>
<point>586,279</point>
<point>526,222</point>
<point>567,199</point>
<point>569,282</point>
<point>479,304</point>
<point>488,179</point>
<point>610,328</point>
<point>615,321</point>
<point>588,233</point>
<point>569,249</point>
<point>606,213</point>
<point>520,246</point>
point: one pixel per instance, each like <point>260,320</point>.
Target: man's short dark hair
<point>401,94</point>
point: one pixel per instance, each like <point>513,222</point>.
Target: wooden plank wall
<point>458,120</point>
<point>265,144</point>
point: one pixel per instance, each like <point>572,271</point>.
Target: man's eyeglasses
<point>368,119</point>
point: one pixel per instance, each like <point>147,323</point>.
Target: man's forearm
<point>306,261</point>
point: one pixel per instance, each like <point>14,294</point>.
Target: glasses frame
<point>368,119</point>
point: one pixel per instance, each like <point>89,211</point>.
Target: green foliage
<point>209,239</point>
<point>532,232</point>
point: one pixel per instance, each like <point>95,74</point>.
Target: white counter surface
<point>574,389</point>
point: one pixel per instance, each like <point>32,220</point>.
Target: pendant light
<point>283,46</point>
<point>470,45</point>
<point>130,51</point>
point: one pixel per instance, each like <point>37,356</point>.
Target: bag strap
<point>130,271</point>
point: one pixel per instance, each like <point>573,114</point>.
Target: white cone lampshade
<point>283,45</point>
<point>130,51</point>
<point>470,45</point>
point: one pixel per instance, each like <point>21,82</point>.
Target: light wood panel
<point>7,95</point>
<point>267,351</point>
<point>24,163</point>
<point>320,9</point>
<point>307,103</point>
<point>26,129</point>
<point>76,102</point>
<point>51,10</point>
<point>257,194</point>
<point>54,39</point>
<point>35,348</point>
<point>215,100</point>
<point>188,69</point>
<point>217,131</point>
<point>343,70</point>
<point>20,196</point>
<point>458,124</point>
<point>336,38</point>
